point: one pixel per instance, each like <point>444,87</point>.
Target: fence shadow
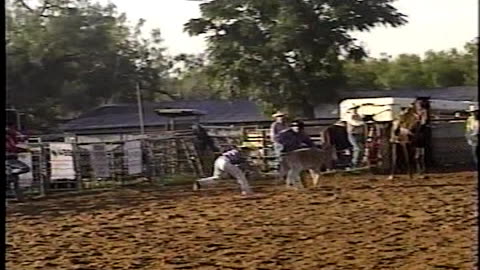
<point>116,199</point>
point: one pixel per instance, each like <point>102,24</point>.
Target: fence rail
<point>121,160</point>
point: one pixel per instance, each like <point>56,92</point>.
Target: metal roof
<point>238,111</point>
<point>179,112</point>
<point>126,115</point>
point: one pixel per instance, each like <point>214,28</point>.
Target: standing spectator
<point>12,140</point>
<point>471,132</point>
<point>277,126</point>
<point>356,136</point>
<point>14,166</point>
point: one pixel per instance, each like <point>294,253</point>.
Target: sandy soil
<point>356,222</point>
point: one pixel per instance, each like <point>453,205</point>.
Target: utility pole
<point>140,109</point>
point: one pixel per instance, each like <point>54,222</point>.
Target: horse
<point>205,147</point>
<point>406,131</point>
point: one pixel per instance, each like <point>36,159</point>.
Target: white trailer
<point>386,108</point>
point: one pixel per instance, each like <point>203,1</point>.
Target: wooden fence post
<point>42,169</point>
<point>76,162</point>
<point>264,151</point>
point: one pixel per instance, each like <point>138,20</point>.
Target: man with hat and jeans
<point>356,136</point>
<point>471,131</point>
<point>278,126</point>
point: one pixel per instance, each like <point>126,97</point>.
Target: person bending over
<point>227,163</point>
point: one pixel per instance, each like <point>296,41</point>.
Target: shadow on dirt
<point>119,198</point>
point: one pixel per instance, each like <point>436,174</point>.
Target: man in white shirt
<point>356,136</point>
<point>471,131</point>
<point>278,126</point>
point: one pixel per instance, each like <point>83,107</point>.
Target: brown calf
<point>312,159</point>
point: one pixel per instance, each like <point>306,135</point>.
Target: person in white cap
<point>227,163</point>
<point>277,126</point>
<point>356,135</point>
<point>471,131</point>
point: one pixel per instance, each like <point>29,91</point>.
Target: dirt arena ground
<point>355,222</point>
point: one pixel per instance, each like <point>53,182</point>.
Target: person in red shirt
<point>12,164</point>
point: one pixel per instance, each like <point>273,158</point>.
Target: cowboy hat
<point>278,114</point>
<point>298,123</point>
<point>472,108</point>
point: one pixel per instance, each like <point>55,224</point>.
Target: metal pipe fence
<point>73,166</point>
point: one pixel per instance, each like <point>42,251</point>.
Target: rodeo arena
<point>377,180</point>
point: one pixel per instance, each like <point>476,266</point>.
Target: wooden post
<point>264,151</point>
<point>76,164</point>
<point>42,169</point>
<point>140,110</point>
<point>429,160</point>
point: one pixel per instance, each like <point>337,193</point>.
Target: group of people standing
<point>356,127</point>
<point>343,135</point>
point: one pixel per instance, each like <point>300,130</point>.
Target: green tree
<point>364,74</point>
<point>405,71</point>
<point>444,69</point>
<point>65,57</point>
<point>189,78</point>
<point>286,53</point>
<point>470,62</point>
<point>436,69</point>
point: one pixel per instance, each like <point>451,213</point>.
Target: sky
<point>433,25</point>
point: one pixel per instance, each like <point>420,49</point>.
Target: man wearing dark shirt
<point>294,138</point>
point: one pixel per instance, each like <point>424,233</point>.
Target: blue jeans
<point>15,166</point>
<point>358,143</point>
<point>277,148</point>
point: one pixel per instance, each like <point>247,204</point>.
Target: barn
<point>124,119</point>
<point>121,121</point>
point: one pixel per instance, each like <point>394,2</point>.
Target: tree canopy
<point>65,57</point>
<point>433,70</point>
<point>291,49</point>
